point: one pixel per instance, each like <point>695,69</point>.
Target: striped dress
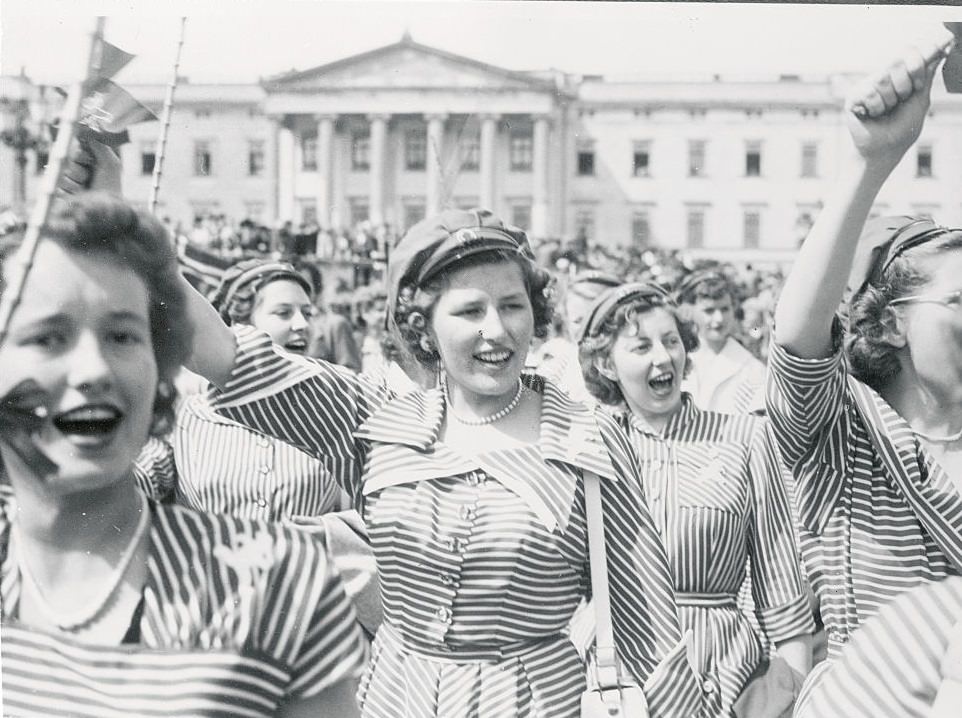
<point>482,558</point>
<point>905,662</point>
<point>715,492</point>
<point>877,515</point>
<point>236,617</point>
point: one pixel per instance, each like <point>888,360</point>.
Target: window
<point>413,213</point>
<point>309,153</point>
<point>585,223</point>
<point>521,151</point>
<point>809,159</point>
<point>43,157</point>
<point>753,159</point>
<point>696,227</point>
<point>415,151</point>
<point>308,210</point>
<point>470,154</point>
<point>586,160</point>
<point>752,228</point>
<point>640,228</point>
<point>147,160</point>
<point>641,159</point>
<point>696,158</point>
<point>255,158</point>
<point>360,151</point>
<point>521,216</point>
<point>360,210</point>
<point>923,167</point>
<point>202,113</point>
<point>203,160</point>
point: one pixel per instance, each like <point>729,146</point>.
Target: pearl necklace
<point>939,439</point>
<point>87,614</point>
<point>491,418</point>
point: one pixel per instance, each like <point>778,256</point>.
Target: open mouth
<point>298,344</point>
<point>663,383</point>
<point>93,421</point>
<point>496,359</point>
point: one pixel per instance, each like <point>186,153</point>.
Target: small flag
<point>202,268</point>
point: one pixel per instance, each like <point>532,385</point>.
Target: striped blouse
<point>237,617</point>
<point>714,487</point>
<point>905,662</point>
<point>877,515</point>
<point>482,558</point>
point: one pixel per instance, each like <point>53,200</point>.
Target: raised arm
<point>897,102</point>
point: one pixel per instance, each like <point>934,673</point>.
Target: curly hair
<point>415,307</point>
<point>595,347</point>
<point>872,359</point>
<point>96,223</point>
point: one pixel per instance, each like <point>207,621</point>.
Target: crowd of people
<point>509,482</point>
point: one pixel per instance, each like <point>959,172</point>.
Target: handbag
<point>610,693</point>
<point>770,691</point>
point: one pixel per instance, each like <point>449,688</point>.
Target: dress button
<point>444,614</point>
<point>474,479</point>
<point>466,513</point>
<point>263,441</point>
<point>448,579</point>
<point>455,544</point>
<point>261,501</point>
<point>265,469</point>
<point>708,686</point>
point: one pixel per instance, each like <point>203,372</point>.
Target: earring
<point>426,344</point>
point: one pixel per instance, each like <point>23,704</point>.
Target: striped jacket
<point>877,515</point>
<point>482,558</point>
<point>237,617</point>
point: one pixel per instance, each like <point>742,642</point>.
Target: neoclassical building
<point>716,165</point>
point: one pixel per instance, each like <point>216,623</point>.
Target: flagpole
<point>69,115</point>
<point>165,125</point>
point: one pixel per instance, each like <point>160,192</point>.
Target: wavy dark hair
<point>415,307</point>
<point>598,346</point>
<point>872,359</point>
<point>96,223</point>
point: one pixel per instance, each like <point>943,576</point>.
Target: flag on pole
<point>202,268</point>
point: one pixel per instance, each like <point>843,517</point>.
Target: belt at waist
<point>705,600</point>
<point>469,653</point>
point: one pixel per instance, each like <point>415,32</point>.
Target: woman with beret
<point>472,492</point>
<point>714,489</point>
<point>113,604</point>
<point>873,432</point>
<point>210,463</point>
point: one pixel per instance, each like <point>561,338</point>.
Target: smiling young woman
<point>472,491</point>
<point>715,491</point>
<point>111,603</point>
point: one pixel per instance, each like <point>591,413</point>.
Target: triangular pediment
<point>406,64</point>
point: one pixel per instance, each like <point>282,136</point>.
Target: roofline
<point>277,81</point>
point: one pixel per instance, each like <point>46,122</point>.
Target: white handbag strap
<point>606,657</point>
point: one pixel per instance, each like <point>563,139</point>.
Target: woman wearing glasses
<point>714,488</point>
<point>873,441</point>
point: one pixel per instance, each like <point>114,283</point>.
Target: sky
<point>244,40</point>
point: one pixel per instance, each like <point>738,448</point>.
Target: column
<point>378,166</point>
<point>435,177</point>
<point>539,190</point>
<point>285,172</point>
<point>325,169</point>
<point>489,133</point>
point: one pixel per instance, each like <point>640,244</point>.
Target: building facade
<point>716,166</point>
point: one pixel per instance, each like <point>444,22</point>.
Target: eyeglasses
<point>953,300</point>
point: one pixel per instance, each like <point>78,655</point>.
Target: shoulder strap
<point>606,656</point>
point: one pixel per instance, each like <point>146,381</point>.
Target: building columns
<point>539,194</point>
<point>325,169</point>
<point>285,171</point>
<point>378,167</point>
<point>489,133</point>
<point>434,195</point>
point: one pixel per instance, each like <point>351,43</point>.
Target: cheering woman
<point>473,492</point>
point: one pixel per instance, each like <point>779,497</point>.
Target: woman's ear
<point>893,327</point>
<point>603,365</point>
